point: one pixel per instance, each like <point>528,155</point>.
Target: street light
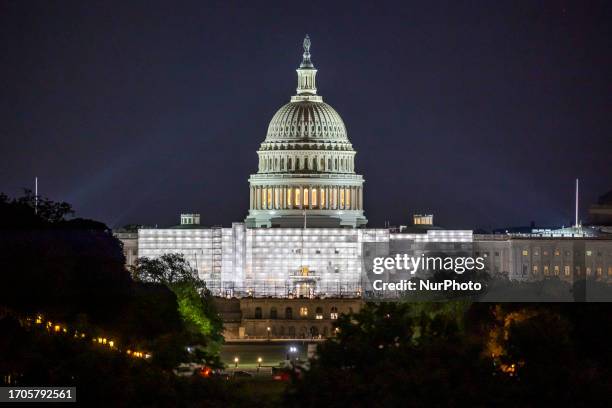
<point>292,350</point>
<point>259,360</point>
<point>236,359</point>
<point>268,330</point>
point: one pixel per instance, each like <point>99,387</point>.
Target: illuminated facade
<point>284,262</point>
<point>306,169</point>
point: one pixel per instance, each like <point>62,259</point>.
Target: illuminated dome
<point>306,170</point>
<point>306,121</point>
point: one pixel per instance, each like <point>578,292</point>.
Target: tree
<point>195,303</point>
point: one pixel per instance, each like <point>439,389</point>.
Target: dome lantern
<point>307,73</point>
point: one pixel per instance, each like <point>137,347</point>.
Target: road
<point>271,353</point>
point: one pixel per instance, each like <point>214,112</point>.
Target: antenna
<point>576,222</point>
<point>35,195</point>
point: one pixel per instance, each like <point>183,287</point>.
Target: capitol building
<point>305,231</point>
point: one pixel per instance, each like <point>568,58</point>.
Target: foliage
<point>195,303</point>
<point>406,354</point>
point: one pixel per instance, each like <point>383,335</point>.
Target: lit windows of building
<point>535,269</point>
<point>303,311</point>
<point>334,313</point>
<point>599,271</point>
<point>319,313</point>
<point>525,252</point>
<point>422,219</point>
<point>567,270</point>
<point>589,253</point>
<point>556,269</point>
<point>588,271</point>
<point>546,270</point>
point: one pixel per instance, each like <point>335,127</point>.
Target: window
<point>348,198</point>
<point>557,252</point>
<point>314,197</point>
<point>289,201</point>
<point>546,270</point>
<point>258,312</point>
<point>588,271</point>
<point>273,313</point>
<point>589,253</point>
<point>556,270</point>
<point>289,314</point>
<point>322,197</point>
<point>609,270</point>
<point>599,271</point>
<point>319,313</point>
<point>497,254</point>
<point>305,195</point>
<point>334,313</point>
<point>525,252</point>
<point>342,198</point>
<point>297,197</point>
<point>303,311</point>
<point>567,270</point>
<point>545,253</point>
<point>535,269</point>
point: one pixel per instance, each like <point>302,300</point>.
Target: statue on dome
<point>307,44</point>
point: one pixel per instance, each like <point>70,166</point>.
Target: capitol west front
<point>304,233</point>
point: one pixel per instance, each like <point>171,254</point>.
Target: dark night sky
<point>480,112</point>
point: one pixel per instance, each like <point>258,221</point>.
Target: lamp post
<point>268,329</point>
<point>259,360</point>
<point>236,363</point>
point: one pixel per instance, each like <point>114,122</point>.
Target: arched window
<point>289,164</point>
<point>319,313</point>
<point>289,314</point>
<point>273,313</point>
<point>303,311</point>
<point>334,313</point>
<point>258,312</point>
